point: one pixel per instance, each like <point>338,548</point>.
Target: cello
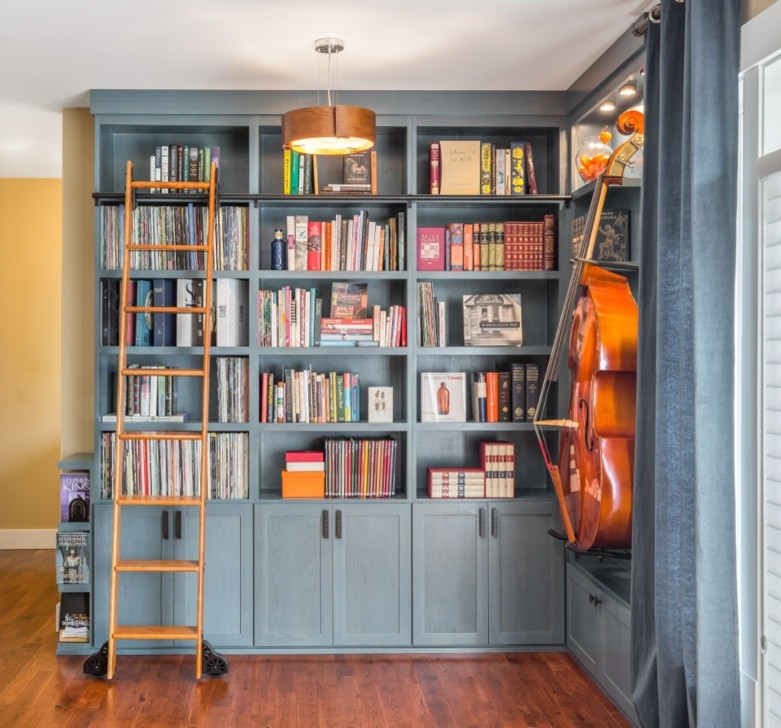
<point>594,475</point>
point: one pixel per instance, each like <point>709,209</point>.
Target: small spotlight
<point>628,89</point>
<point>607,106</point>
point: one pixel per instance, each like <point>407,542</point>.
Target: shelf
<point>504,351</point>
<point>587,190</point>
<point>77,461</point>
<point>288,351</point>
<point>331,429</point>
<point>79,588</point>
<point>475,426</point>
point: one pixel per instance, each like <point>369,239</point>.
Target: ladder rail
<point>207,336</point>
<point>121,435</point>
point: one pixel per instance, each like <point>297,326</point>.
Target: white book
<point>301,227</point>
<point>231,303</point>
<point>291,242</point>
<point>380,405</point>
<point>443,397</point>
<point>185,322</point>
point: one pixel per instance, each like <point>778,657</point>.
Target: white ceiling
<point>52,52</point>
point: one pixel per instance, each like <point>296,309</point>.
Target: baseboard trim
<point>27,538</point>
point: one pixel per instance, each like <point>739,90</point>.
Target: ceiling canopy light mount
<point>331,129</point>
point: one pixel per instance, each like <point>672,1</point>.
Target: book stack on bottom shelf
<point>495,478</point>
<point>304,474</point>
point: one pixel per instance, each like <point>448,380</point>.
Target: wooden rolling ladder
<point>206,659</point>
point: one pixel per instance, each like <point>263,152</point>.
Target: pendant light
<point>331,129</point>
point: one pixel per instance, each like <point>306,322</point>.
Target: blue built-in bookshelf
<point>403,571</point>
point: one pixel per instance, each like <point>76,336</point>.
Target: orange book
<point>303,484</point>
<point>492,396</point>
<point>468,259</point>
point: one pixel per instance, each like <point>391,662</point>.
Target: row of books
<point>495,396</point>
<point>348,243</point>
<point>232,388</point>
<point>360,467</point>
<point>182,163</point>
<point>72,618</point>
<point>149,397</point>
<point>74,496</point>
<point>308,396</point>
<point>72,557</point>
<point>172,467</point>
<point>170,225</point>
<point>501,246</point>
<point>229,312</point>
<point>495,478</point>
<point>505,396</point>
<point>474,167</point>
<point>299,173</point>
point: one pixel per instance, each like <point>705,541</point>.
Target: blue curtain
<point>684,593</point>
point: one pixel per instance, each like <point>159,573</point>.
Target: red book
<point>304,456</point>
<point>434,168</point>
<point>431,248</point>
<point>314,245</point>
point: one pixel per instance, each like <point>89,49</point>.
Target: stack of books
<point>304,474</point>
<point>495,478</point>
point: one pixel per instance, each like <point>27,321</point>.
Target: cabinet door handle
<point>178,525</point>
<point>324,520</point>
<point>164,524</point>
<point>339,523</point>
<point>481,523</point>
<point>494,522</point>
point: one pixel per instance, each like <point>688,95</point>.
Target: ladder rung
<point>158,566</point>
<point>160,436</point>
<point>163,372</point>
<point>142,184</point>
<point>158,500</point>
<point>163,309</point>
<point>167,246</point>
<point>155,632</point>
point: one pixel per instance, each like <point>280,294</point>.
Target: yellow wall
<point>30,284</point>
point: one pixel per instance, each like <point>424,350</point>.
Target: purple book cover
<point>74,497</point>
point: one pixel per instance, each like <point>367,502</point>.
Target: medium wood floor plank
<point>497,690</point>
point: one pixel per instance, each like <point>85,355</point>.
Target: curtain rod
<point>654,15</point>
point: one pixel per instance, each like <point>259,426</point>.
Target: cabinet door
<point>144,599</point>
<point>450,574</point>
<point>615,627</point>
<point>526,575</point>
<point>372,574</point>
<point>293,554</point>
<point>584,630</point>
<point>227,589</point>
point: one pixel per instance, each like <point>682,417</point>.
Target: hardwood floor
<point>41,690</point>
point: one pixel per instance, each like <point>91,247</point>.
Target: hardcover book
<point>143,320</point>
<point>232,320</point>
<point>492,319</point>
<point>74,497</point>
<point>72,556</point>
<point>431,248</point>
<point>443,397</point>
<point>380,404</point>
<point>185,322</point>
<point>349,300</point>
<point>434,168</point>
<point>460,163</point>
<point>357,168</point>
<point>455,483</point>
<point>164,294</point>
<point>612,241</point>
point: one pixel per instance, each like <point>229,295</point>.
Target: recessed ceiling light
<point>628,89</point>
<point>607,106</point>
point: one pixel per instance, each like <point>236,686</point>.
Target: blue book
<point>164,294</point>
<point>144,320</point>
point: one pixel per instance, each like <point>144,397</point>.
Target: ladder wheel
<point>214,664</point>
<point>96,665</point>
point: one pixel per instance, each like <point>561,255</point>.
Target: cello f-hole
<point>589,442</point>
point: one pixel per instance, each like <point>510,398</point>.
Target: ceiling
<point>52,53</point>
